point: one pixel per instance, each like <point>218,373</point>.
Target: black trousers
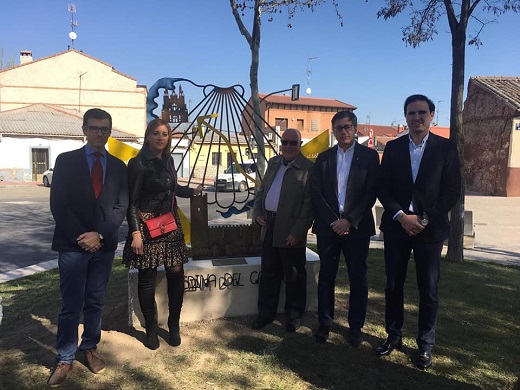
<point>355,250</point>
<point>277,264</point>
<point>427,257</point>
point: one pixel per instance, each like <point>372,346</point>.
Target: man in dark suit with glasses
<point>89,198</point>
<point>343,193</point>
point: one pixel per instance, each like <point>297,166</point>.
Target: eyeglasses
<point>95,129</point>
<point>345,127</point>
<point>292,143</point>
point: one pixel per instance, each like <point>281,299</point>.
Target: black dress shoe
<point>292,324</point>
<point>356,338</point>
<point>260,322</point>
<point>388,346</point>
<point>423,360</point>
<point>322,334</point>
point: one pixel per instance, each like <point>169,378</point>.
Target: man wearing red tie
<point>89,198</point>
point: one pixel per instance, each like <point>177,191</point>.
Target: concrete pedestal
<point>217,288</point>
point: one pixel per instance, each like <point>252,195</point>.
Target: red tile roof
<point>305,101</point>
<point>378,130</point>
<point>442,131</point>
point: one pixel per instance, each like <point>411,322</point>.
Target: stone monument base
<point>217,288</point>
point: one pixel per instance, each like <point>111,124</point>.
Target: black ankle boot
<point>152,340</point>
<point>175,334</point>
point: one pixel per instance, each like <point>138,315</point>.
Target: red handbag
<point>162,224</point>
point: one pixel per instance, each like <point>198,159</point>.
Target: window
<point>282,122</point>
<point>216,157</point>
<point>315,124</point>
<point>299,124</point>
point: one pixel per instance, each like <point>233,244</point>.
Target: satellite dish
<point>308,90</point>
<point>73,35</point>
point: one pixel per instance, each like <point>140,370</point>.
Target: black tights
<point>147,281</point>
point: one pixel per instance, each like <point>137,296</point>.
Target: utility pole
<point>438,110</point>
<point>79,100</point>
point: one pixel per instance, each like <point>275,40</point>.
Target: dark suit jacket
<point>361,191</point>
<point>435,191</point>
<point>295,213</point>
<point>75,208</point>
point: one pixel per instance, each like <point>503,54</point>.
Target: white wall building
<point>75,80</point>
<point>33,136</point>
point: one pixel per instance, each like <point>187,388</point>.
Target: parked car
<point>224,181</point>
<point>47,177</point>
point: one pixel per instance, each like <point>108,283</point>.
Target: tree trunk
<point>458,42</point>
<point>253,79</point>
<point>253,40</point>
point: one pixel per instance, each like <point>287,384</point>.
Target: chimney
<point>400,129</point>
<point>25,56</point>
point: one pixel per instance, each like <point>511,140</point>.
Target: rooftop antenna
<point>309,73</point>
<point>73,23</point>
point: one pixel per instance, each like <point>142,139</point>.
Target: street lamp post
<point>257,128</point>
<point>295,95</point>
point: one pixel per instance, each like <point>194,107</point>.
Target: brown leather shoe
<point>59,375</point>
<point>95,363</point>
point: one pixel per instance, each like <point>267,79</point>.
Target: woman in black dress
<point>153,186</point>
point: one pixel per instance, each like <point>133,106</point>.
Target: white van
<point>224,181</point>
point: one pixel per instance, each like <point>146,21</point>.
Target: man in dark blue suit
<point>420,182</point>
<point>343,193</point>
<point>89,198</point>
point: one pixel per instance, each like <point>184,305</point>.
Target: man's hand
<point>291,240</point>
<point>90,241</point>
<point>410,224</point>
<point>197,191</point>
<point>261,221</point>
<point>341,227</point>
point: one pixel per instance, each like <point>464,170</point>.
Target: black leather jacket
<point>151,187</point>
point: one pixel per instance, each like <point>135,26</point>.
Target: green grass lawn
<point>478,340</point>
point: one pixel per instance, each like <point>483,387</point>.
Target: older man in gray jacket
<point>283,208</point>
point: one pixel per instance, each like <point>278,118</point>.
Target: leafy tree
<point>423,27</point>
<point>269,7</point>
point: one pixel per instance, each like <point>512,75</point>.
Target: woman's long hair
<point>166,153</point>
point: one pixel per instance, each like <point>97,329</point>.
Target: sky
<point>364,63</point>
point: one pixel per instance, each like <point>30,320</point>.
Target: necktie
<point>97,175</point>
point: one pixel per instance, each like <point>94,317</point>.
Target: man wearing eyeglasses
<point>343,193</point>
<point>88,200</point>
<point>283,209</point>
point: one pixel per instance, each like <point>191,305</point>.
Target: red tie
<point>97,175</point>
